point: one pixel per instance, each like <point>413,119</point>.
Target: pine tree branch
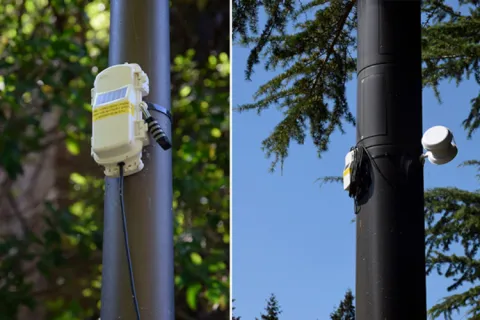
<point>453,56</point>
<point>341,24</point>
<point>455,302</point>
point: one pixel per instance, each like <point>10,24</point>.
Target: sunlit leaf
<point>185,91</point>
<point>192,292</point>
<point>72,146</point>
<point>196,258</point>
<point>216,133</point>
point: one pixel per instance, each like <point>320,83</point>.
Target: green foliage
<point>38,59</point>
<point>451,47</point>
<point>272,310</point>
<point>51,52</point>
<point>346,309</point>
<point>316,57</point>
<point>201,197</point>
<point>233,310</point>
<point>453,220</point>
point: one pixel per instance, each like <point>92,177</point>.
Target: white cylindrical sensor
<point>438,141</point>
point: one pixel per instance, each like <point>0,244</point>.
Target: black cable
<point>127,247</point>
<point>156,130</point>
<point>157,133</point>
<point>360,174</point>
<point>372,160</point>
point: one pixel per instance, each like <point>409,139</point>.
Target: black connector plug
<point>156,131</point>
<point>158,134</point>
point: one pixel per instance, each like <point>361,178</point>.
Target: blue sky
<point>294,238</point>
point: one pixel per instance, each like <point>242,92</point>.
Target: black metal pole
<point>390,273</point>
<point>140,33</point>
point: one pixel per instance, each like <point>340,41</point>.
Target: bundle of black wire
<point>360,175</point>
<point>127,247</point>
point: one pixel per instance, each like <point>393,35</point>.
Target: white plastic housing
<point>347,172</point>
<point>438,141</point>
<point>118,129</point>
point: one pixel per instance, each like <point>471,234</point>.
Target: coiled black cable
<point>361,178</point>
<point>155,129</point>
<point>360,175</point>
<point>157,133</point>
<point>127,247</point>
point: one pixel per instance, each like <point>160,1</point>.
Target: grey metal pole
<point>140,33</point>
<point>390,273</point>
